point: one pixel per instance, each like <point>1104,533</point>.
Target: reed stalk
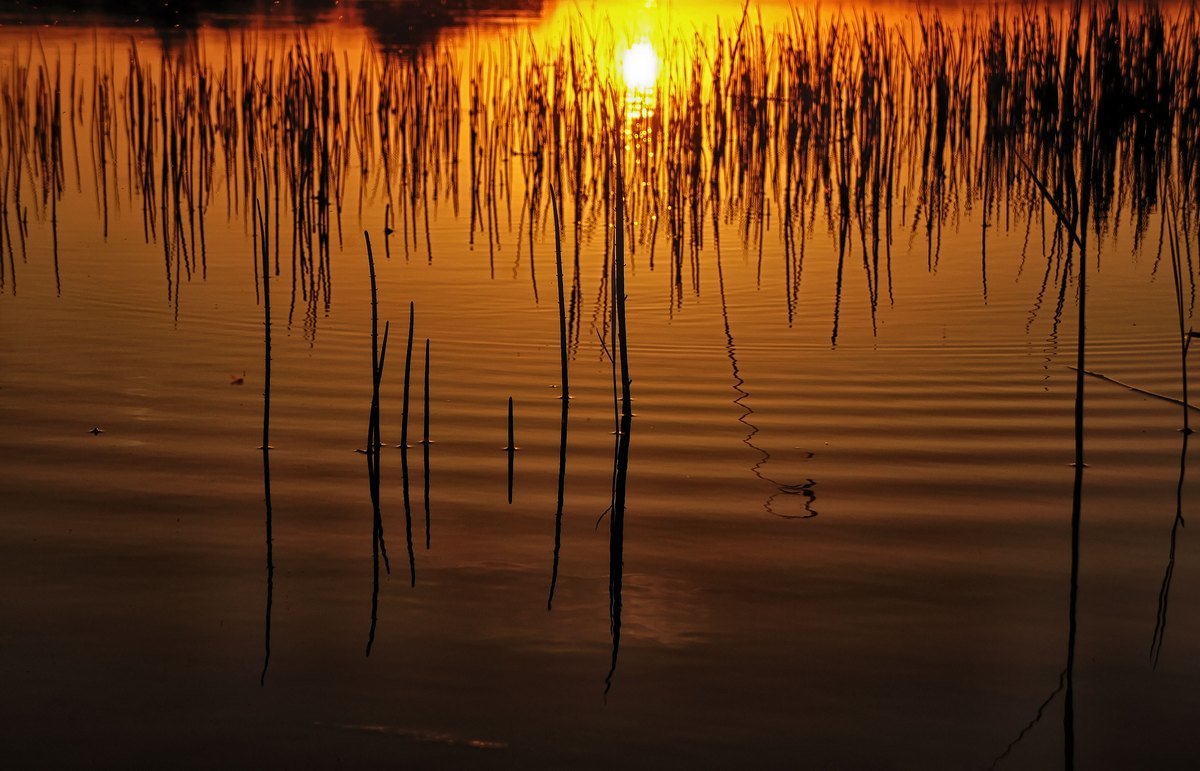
<point>268,515</point>
<point>511,448</point>
<point>412,562</point>
<point>564,395</point>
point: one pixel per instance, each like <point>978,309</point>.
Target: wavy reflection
<point>804,491</point>
<point>1033,723</point>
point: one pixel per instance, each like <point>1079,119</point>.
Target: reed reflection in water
<point>266,448</point>
<point>846,116</point>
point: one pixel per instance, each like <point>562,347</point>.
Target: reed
<point>412,563</point>
<point>616,566</point>
<point>511,449</point>
<point>1037,718</point>
<point>1164,591</point>
<point>374,445</point>
<point>373,422</point>
<point>1177,274</point>
<point>1070,203</point>
<point>268,512</point>
<point>564,395</point>
<point>1186,337</point>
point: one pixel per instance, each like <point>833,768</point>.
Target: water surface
<point>838,523</point>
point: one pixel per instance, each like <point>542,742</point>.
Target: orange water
<point>849,553</point>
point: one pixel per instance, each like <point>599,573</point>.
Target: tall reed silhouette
<point>412,561</point>
<point>268,513</point>
<point>620,347</point>
<point>564,395</point>
<point>374,446</point>
<point>1070,202</point>
<point>510,448</point>
<point>1178,270</point>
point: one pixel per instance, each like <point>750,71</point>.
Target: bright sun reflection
<point>640,66</point>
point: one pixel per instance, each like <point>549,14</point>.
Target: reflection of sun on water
<point>639,69</point>
<point>640,66</point>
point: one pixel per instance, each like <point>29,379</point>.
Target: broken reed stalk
<point>1136,389</point>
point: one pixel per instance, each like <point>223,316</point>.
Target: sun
<point>639,66</point>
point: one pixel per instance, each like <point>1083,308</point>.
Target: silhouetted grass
<point>873,124</point>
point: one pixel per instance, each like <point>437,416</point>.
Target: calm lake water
<point>815,499</point>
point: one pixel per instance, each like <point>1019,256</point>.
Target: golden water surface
<point>834,531</point>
